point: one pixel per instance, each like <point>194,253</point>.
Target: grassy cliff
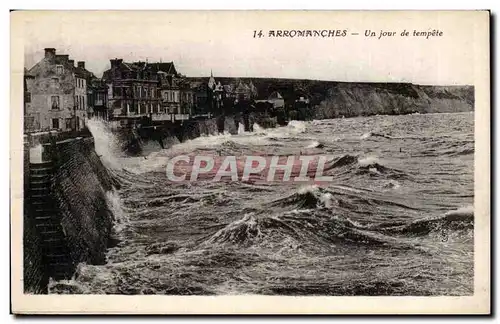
<point>330,99</point>
<point>351,99</point>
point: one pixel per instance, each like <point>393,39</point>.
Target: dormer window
<point>59,69</point>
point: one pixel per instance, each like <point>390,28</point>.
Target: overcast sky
<point>198,42</point>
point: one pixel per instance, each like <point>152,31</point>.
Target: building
<point>201,100</point>
<point>57,94</point>
<point>132,90</point>
<point>244,90</point>
<point>29,120</point>
<point>302,106</point>
<point>213,97</point>
<point>98,98</point>
<point>90,80</point>
<point>175,93</point>
<point>141,90</point>
<point>216,95</point>
<point>187,96</point>
<point>275,100</point>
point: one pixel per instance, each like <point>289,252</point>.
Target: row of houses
<point>61,95</point>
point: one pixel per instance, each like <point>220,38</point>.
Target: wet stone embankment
<point>66,217</point>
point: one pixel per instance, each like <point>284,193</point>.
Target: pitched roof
<point>275,95</point>
<point>84,73</point>
<point>27,74</point>
<point>167,67</point>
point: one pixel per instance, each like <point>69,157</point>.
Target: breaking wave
<point>307,228</point>
<point>107,146</point>
<point>372,166</point>
<point>307,197</point>
<point>456,220</point>
<point>373,134</point>
<point>315,144</point>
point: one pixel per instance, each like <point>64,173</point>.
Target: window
<point>59,69</point>
<point>152,93</point>
<point>55,102</point>
<point>54,82</point>
<point>55,123</point>
<point>146,92</point>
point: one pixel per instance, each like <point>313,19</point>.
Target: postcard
<point>250,162</point>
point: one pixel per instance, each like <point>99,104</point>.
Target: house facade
<point>213,97</point>
<point>29,121</point>
<point>244,90</point>
<point>97,94</point>
<point>132,90</point>
<point>154,90</point>
<point>177,98</point>
<point>58,94</point>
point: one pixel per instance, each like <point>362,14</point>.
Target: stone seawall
<point>143,140</point>
<point>68,220</point>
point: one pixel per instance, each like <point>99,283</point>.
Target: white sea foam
<point>241,128</point>
<point>297,126</point>
<point>366,135</point>
<point>327,199</point>
<point>368,160</point>
<point>308,188</point>
<point>314,144</point>
<point>465,210</point>
<point>114,204</point>
<point>106,144</point>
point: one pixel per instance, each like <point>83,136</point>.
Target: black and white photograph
<point>251,153</point>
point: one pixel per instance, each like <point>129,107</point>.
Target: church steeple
<point>211,81</point>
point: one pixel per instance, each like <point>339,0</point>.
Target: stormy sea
<point>397,219</point>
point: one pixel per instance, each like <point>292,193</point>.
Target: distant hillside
<point>331,99</point>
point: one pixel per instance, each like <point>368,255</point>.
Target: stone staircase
<point>48,221</point>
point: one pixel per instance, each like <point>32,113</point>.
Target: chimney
<point>71,62</point>
<point>81,64</point>
<point>116,62</point>
<point>50,53</point>
<point>63,58</point>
